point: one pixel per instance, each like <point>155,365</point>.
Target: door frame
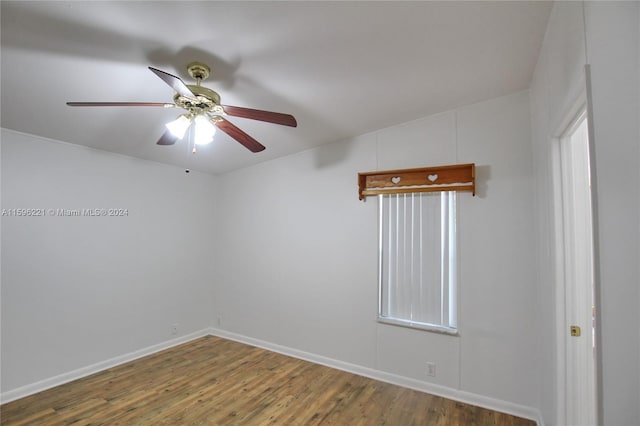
<point>581,106</point>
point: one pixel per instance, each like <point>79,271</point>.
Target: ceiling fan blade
<point>119,104</point>
<point>167,138</point>
<point>175,82</point>
<point>256,114</point>
<point>232,130</point>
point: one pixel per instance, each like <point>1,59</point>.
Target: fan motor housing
<point>206,100</point>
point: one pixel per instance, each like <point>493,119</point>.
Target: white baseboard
<point>36,387</point>
<point>443,391</point>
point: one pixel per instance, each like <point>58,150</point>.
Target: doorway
<point>578,274</point>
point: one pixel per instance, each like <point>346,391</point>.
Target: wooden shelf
<point>457,177</point>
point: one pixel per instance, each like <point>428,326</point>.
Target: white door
<point>578,276</point>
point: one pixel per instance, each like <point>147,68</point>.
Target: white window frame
<point>448,276</point>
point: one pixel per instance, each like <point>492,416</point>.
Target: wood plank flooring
<point>214,381</point>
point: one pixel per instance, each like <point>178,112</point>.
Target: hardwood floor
<point>214,381</point>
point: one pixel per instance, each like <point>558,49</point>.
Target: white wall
<point>604,35</point>
<point>298,267</point>
<point>80,290</point>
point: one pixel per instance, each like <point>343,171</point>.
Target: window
<point>417,267</point>
<point>417,260</point>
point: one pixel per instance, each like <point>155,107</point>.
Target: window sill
<point>419,326</point>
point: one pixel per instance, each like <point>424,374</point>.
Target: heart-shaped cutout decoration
<point>432,178</point>
<point>396,180</point>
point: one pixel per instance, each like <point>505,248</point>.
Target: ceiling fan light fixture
<point>203,110</point>
<point>179,126</point>
<point>204,130</point>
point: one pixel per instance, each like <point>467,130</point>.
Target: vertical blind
<point>417,259</point>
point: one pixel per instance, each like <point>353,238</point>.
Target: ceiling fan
<point>203,109</point>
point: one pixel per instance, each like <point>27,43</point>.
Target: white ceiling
<point>341,68</point>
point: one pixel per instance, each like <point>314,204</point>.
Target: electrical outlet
<point>431,369</point>
<point>174,328</point>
